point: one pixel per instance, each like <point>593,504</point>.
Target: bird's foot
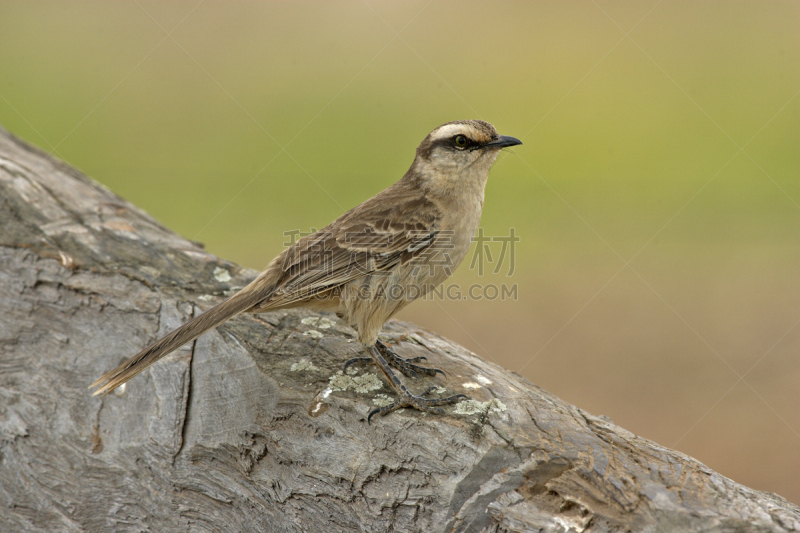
<point>416,402</point>
<point>406,366</point>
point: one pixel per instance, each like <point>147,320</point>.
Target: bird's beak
<point>503,141</point>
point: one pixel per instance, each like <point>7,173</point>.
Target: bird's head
<point>459,151</point>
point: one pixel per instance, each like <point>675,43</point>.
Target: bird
<point>372,261</point>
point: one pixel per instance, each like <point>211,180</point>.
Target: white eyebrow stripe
<point>449,130</point>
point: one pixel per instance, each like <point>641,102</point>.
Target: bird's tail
<point>238,303</point>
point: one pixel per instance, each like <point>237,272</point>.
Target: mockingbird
<point>372,261</point>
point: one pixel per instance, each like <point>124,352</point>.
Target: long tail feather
<point>238,303</point>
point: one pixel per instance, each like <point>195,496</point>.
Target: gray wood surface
<point>253,427</point>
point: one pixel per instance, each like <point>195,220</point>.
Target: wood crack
<point>187,401</point>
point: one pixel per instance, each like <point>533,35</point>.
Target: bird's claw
<point>406,366</point>
<point>416,402</point>
<point>357,360</point>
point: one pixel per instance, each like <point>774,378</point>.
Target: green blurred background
<point>656,196</point>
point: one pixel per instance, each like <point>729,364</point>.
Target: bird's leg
<point>406,366</point>
<point>406,399</point>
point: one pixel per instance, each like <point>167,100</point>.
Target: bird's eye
<point>460,141</point>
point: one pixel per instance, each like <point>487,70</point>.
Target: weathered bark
<point>247,428</point>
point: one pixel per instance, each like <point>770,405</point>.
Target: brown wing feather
<point>366,239</point>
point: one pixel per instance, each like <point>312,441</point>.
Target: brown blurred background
<point>656,197</point>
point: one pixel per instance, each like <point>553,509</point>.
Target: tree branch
<point>254,427</point>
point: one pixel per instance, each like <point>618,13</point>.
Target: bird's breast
<point>456,230</point>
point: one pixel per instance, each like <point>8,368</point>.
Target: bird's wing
<point>377,235</point>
